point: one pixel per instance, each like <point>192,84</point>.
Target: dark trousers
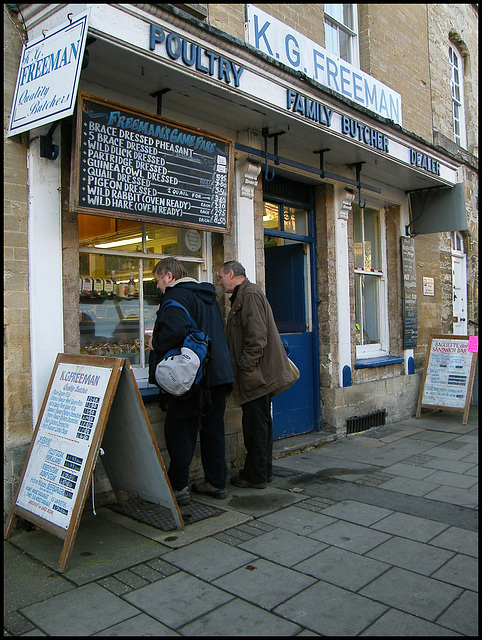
<point>181,437</point>
<point>258,439</point>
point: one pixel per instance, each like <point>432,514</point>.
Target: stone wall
<point>16,341</point>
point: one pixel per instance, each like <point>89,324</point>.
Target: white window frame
<point>457,93</point>
<point>352,32</point>
<point>380,348</point>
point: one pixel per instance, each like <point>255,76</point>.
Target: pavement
<point>375,534</point>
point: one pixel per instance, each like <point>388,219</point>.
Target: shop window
<point>341,31</point>
<point>457,92</point>
<point>370,289</point>
<point>118,293</point>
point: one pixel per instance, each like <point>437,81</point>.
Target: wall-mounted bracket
<point>266,135</point>
<point>322,161</point>
<point>358,166</point>
<point>158,95</point>
<point>47,149</point>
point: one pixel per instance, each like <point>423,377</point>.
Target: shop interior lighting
<point>119,243</point>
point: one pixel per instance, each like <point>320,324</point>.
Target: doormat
<point>160,517</point>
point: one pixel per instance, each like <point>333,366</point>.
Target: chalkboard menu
<point>409,293</point>
<point>130,164</point>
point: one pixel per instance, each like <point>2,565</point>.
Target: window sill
<point>149,393</point>
<point>380,361</point>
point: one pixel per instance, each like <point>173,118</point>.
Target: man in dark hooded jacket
<point>183,417</point>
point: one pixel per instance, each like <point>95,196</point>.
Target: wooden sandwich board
<point>91,401</point>
<point>448,375</point>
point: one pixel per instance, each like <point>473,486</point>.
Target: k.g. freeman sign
<point>48,76</point>
<point>276,39</point>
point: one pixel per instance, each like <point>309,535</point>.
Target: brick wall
<point>394,49</point>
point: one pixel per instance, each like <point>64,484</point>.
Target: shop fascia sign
<point>48,76</point>
<point>194,56</point>
<point>277,40</point>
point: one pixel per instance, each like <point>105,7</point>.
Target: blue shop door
<point>287,289</point>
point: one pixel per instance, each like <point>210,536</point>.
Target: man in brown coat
<point>260,366</point>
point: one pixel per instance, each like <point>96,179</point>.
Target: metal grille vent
<point>356,424</point>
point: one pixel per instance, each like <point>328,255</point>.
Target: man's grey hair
<point>234,266</point>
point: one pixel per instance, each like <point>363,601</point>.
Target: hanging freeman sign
<point>48,76</point>
<point>135,165</point>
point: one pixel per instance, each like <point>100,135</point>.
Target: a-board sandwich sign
<point>83,393</point>
<point>131,164</point>
<point>448,375</point>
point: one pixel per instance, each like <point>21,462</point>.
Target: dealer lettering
<point>424,162</point>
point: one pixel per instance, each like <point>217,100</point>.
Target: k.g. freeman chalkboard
<point>89,401</point>
<point>409,293</point>
<point>130,164</point>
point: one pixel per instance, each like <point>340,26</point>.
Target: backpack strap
<point>174,303</point>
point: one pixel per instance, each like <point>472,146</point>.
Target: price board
<point>88,398</point>
<point>131,164</point>
<point>448,376</point>
<point>410,317</point>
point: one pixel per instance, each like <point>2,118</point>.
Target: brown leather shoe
<point>241,482</point>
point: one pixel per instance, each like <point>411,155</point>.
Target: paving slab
<point>342,568</point>
<point>411,555</point>
<point>240,618</point>
<point>264,583</point>
<point>81,612</point>
<point>413,593</point>
<point>453,495</point>
<point>178,599</point>
<point>141,625</point>
<point>463,615</point>
<point>259,502</point>
<point>350,536</point>
<point>398,623</point>
<point>462,571</point>
<point>284,547</point>
<point>298,520</point>
<point>357,512</point>
<point>453,479</point>
<point>331,611</point>
<point>27,581</point>
<point>410,486</point>
<point>100,549</point>
<point>209,559</point>
<point>412,527</point>
<point>460,540</point>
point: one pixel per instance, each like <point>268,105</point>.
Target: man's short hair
<point>170,264</point>
<point>234,266</point>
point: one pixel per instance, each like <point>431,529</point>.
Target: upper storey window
<point>457,91</point>
<point>341,31</point>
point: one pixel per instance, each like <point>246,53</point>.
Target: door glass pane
<point>295,220</point>
<point>271,216</point>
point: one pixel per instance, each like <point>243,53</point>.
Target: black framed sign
<point>410,316</point>
<point>131,164</point>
